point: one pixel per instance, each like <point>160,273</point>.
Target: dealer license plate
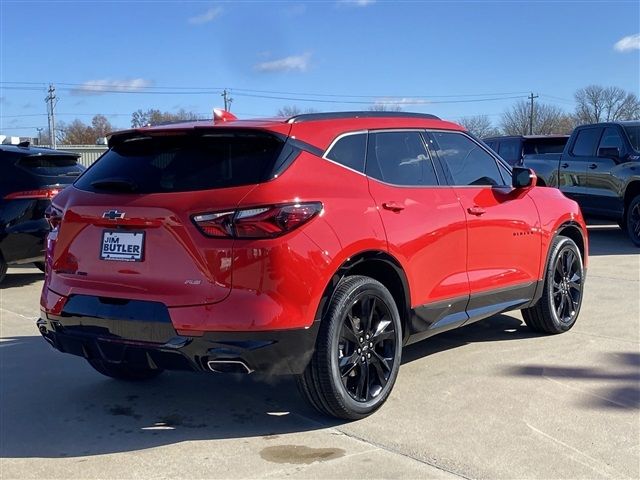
<point>122,246</point>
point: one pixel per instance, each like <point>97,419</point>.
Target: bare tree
<point>79,133</point>
<point>479,125</point>
<point>101,126</point>
<point>385,107</point>
<point>289,111</point>
<point>547,119</point>
<point>596,103</point>
<point>153,116</point>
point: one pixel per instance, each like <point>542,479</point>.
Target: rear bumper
<point>156,344</point>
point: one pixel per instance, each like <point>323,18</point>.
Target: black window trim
<point>500,162</point>
<point>421,132</point>
<point>340,137</point>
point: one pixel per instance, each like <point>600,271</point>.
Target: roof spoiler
<point>220,116</point>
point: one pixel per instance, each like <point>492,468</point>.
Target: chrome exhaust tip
<point>228,366</point>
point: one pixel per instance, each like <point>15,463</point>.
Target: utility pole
<point>531,97</point>
<point>39,135</point>
<point>51,100</point>
<point>226,95</point>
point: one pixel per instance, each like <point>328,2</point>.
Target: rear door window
<point>400,158</point>
<point>184,163</point>
<point>585,143</point>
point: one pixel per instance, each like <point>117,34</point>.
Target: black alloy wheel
<point>366,347</point>
<point>358,351</point>
<point>633,221</point>
<point>567,286</point>
<point>557,309</point>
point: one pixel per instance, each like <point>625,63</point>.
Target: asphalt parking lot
<point>491,400</point>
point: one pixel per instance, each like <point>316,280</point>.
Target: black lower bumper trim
<point>273,352</point>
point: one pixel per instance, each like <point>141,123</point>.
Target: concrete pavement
<point>492,400</point>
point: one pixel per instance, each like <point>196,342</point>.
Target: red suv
<point>317,246</point>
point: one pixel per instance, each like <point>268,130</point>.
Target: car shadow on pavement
<point>610,240</point>
<point>16,280</point>
<point>494,329</point>
<point>55,405</point>
<point>620,371</point>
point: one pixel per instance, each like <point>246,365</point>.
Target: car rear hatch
<point>128,228</point>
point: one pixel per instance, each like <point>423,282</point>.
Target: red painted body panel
<point>429,238</point>
<point>222,284</point>
<point>504,241</point>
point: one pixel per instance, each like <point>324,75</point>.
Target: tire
<point>559,306</point>
<point>40,266</point>
<point>124,372</point>
<point>632,220</point>
<point>358,351</point>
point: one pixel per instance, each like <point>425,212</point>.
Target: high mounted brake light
<point>258,222</point>
<point>221,116</point>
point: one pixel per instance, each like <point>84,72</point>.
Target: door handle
<point>565,165</point>
<point>476,210</point>
<point>593,166</point>
<point>393,206</point>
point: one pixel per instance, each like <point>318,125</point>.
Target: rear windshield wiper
<point>115,184</point>
<point>70,174</point>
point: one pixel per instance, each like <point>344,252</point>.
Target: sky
<point>449,58</point>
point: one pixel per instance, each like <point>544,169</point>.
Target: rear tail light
<point>42,193</point>
<point>53,216</point>
<point>259,222</point>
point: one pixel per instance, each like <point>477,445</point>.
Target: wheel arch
<point>575,233</point>
<point>380,266</point>
<point>631,191</point>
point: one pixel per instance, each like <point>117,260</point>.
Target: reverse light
<point>42,193</point>
<point>258,222</point>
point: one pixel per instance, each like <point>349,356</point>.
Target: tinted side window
<point>468,164</point>
<point>586,141</point>
<point>510,150</point>
<point>350,151</point>
<point>400,158</point>
<point>611,139</point>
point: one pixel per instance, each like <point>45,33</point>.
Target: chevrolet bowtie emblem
<point>113,215</point>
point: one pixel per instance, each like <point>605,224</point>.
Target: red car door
<point>425,226</point>
<point>504,235</point>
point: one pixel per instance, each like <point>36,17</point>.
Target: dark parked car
<point>317,245</point>
<point>600,169</point>
<point>514,148</point>
<point>29,179</point>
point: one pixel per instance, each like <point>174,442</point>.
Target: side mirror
<point>523,177</point>
<point>609,152</point>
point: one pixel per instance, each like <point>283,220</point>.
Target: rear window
<point>184,163</point>
<point>540,146</point>
<point>51,165</point>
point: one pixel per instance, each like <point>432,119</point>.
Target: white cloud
<point>298,63</point>
<point>630,42</point>
<point>357,3</point>
<point>206,17</point>
<point>98,87</point>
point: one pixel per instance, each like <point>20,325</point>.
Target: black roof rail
<point>307,117</point>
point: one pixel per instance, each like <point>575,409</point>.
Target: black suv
<point>29,179</point>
